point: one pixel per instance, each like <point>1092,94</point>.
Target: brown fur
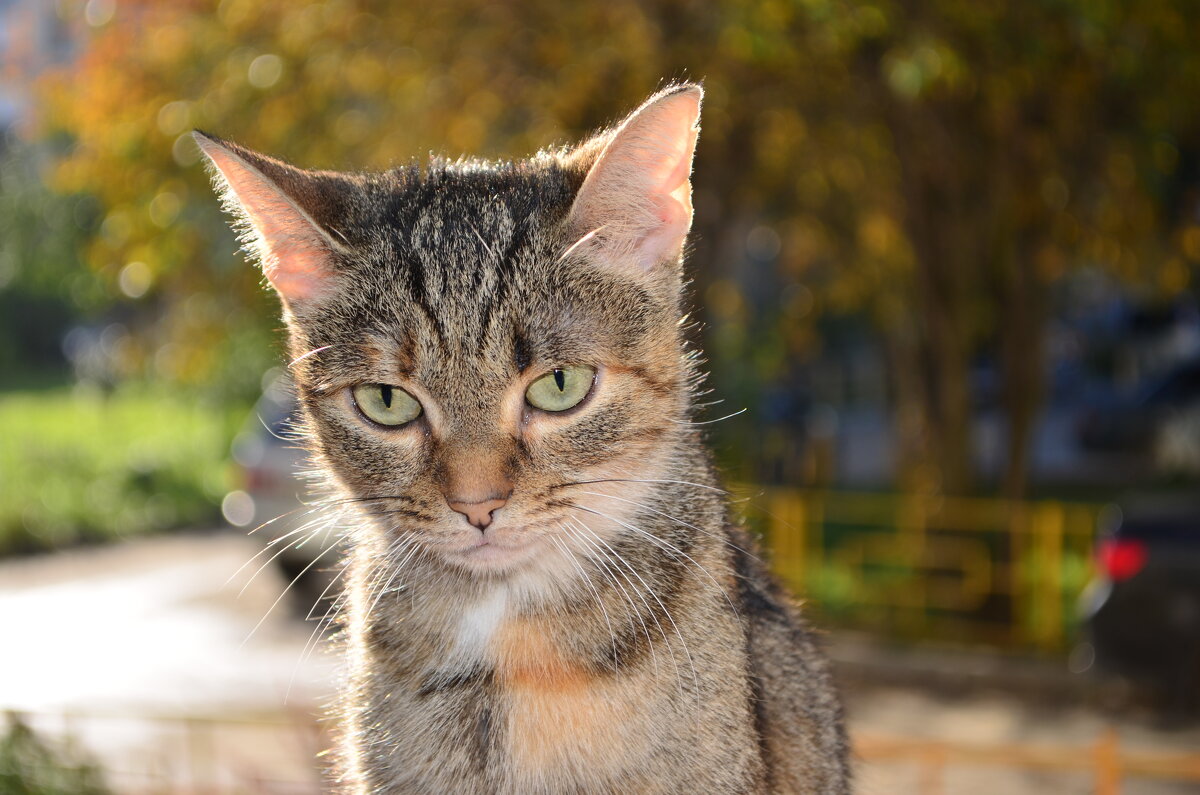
<point>622,637</point>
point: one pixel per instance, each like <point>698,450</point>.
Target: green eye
<point>386,405</point>
<point>561,388</point>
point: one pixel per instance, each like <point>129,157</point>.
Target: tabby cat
<point>545,592</point>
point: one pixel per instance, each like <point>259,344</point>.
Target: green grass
<point>80,466</point>
<point>31,765</point>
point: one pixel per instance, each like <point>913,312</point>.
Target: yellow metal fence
<point>931,567</point>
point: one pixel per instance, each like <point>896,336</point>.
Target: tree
<point>936,168</point>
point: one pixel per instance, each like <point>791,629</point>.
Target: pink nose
<point>478,513</point>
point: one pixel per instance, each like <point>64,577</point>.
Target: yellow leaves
<point>1174,276</point>
<point>847,172</point>
<point>780,133</point>
<point>735,42</point>
<point>170,43</point>
<point>915,68</point>
<point>879,235</point>
<point>364,73</point>
<point>1050,263</point>
<point>117,227</point>
<point>465,134</point>
<point>724,299</point>
<point>236,15</point>
<point>1055,192</point>
<point>175,118</point>
<point>265,71</point>
<point>1166,156</point>
<point>164,208</point>
<point>1189,243</point>
<point>352,127</point>
<point>1121,169</point>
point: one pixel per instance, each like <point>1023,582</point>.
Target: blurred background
<point>945,256</point>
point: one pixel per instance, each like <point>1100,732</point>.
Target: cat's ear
<point>635,204</point>
<point>278,209</point>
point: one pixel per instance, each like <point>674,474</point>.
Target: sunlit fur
<point>616,633</point>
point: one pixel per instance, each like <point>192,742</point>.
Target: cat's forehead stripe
<point>463,249</point>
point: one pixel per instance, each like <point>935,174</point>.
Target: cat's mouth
<point>496,552</point>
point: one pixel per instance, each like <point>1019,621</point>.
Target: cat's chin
<point>486,557</point>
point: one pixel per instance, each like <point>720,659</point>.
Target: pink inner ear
<point>292,251</point>
<point>295,266</point>
<point>639,190</point>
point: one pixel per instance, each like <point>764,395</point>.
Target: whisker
<point>654,595</point>
<point>304,356</point>
<point>278,540</point>
<point>580,242</point>
<point>323,624</point>
<point>610,574</point>
<point>667,547</point>
<point>309,530</point>
<point>675,519</point>
<point>409,549</point>
<point>709,422</point>
<point>635,480</point>
<point>286,589</point>
<point>561,545</point>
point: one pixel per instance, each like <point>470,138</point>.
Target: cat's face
<point>489,357</point>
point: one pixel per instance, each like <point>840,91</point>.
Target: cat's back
<point>798,716</point>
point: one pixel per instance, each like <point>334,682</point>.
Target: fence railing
<point>965,569</point>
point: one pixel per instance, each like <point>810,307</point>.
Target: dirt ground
<point>146,653</point>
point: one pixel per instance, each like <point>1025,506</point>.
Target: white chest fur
<point>477,626</point>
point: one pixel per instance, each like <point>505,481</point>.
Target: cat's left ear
<point>284,214</point>
<point>635,205</point>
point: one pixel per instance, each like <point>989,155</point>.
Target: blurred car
<point>1133,423</point>
<point>272,500</point>
<point>1142,612</point>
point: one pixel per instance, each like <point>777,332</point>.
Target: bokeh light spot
<point>238,508</point>
<point>265,71</point>
<point>164,209</point>
<point>174,117</point>
<point>99,12</point>
<point>135,279</point>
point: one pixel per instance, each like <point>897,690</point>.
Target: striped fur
<point>621,637</point>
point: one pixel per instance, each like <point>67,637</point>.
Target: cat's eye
<point>386,405</point>
<point>562,388</point>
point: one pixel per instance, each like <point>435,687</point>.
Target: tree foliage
<point>937,167</point>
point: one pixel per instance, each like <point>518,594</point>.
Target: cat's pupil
<point>560,379</point>
<point>386,393</point>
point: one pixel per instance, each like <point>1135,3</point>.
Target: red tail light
<point>1121,558</point>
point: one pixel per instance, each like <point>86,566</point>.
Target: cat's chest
<point>559,712</point>
<point>548,711</point>
<point>470,643</point>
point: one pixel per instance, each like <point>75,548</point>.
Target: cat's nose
<point>478,513</point>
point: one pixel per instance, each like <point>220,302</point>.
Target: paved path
<point>116,638</point>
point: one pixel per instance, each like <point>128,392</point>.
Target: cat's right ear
<point>276,208</point>
<point>635,204</point>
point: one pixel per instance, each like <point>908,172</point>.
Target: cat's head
<point>489,356</point>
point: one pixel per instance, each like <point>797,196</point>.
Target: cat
<point>545,593</point>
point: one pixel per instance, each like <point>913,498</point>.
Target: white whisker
<point>561,545</point>
<point>610,575</point>
<point>580,242</point>
<point>288,588</point>
<point>675,519</point>
<point>667,547</point>
<point>620,558</point>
